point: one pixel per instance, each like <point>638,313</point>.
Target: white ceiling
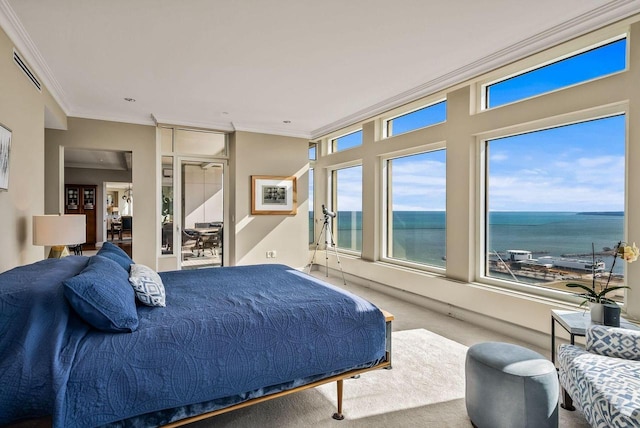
<point>253,64</point>
<point>97,159</point>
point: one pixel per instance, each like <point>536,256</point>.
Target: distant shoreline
<point>607,213</point>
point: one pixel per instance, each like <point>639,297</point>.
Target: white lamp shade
<point>53,230</point>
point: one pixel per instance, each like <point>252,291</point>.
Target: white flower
<point>630,253</point>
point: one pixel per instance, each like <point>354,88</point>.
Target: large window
<point>593,63</point>
<point>550,195</point>
<point>430,115</point>
<point>347,184</point>
<point>348,141</point>
<point>416,192</point>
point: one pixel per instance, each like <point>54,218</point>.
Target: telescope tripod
<point>326,230</point>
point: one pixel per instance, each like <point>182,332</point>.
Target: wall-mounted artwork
<point>5,146</point>
<point>273,195</point>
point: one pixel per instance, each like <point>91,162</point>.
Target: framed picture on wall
<point>273,195</point>
<point>5,146</point>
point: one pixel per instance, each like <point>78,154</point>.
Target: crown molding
<point>606,14</point>
<point>271,130</point>
<point>106,118</point>
<point>213,125</point>
<point>13,27</point>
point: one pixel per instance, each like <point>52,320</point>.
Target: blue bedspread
<point>39,334</point>
<point>226,335</point>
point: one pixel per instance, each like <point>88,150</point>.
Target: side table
<point>576,324</point>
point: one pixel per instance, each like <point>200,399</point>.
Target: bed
<point>227,337</point>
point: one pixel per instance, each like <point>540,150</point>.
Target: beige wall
<point>254,235</point>
<point>459,291</point>
<point>98,134</point>
<point>22,109</point>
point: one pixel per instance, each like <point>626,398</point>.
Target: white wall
<point>203,195</point>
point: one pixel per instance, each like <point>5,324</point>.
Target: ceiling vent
<point>25,69</point>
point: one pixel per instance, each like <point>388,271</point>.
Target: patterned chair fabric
<point>614,342</point>
<point>602,382</point>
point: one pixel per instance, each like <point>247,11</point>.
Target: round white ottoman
<point>510,386</point>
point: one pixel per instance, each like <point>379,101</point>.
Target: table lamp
<point>58,231</point>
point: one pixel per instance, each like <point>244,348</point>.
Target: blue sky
<point>572,168</point>
<point>578,167</point>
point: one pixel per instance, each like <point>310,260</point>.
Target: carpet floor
<point>425,388</point>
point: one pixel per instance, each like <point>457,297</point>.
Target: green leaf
<point>607,290</point>
<point>589,291</point>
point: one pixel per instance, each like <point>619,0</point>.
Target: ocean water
<point>420,235</point>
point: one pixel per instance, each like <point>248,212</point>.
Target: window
<point>597,62</point>
<point>166,221</point>
<point>416,192</point>
<point>347,184</point>
<point>312,152</point>
<point>311,212</point>
<point>346,141</point>
<point>550,194</point>
<point>430,115</point>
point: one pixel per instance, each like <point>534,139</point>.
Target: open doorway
<point>201,213</point>
<point>106,177</point>
<point>119,214</point>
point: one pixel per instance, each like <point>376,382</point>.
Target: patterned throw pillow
<point>147,284</point>
<point>613,342</point>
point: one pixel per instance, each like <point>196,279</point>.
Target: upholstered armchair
<point>603,380</point>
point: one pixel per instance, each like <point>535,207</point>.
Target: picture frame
<point>273,195</point>
<point>5,148</point>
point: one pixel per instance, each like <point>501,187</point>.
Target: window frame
<point>313,145</point>
<point>332,141</point>
<point>482,141</point>
<point>387,120</point>
<point>332,198</point>
<point>551,56</point>
<point>386,207</point>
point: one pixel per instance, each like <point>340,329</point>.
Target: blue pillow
<point>116,254</point>
<point>102,296</point>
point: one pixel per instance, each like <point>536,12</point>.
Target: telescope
<point>328,240</point>
<point>326,212</point>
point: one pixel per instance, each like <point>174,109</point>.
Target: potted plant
<point>597,299</point>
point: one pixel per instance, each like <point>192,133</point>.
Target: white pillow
<point>147,284</point>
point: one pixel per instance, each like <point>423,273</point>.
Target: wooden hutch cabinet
<point>81,199</point>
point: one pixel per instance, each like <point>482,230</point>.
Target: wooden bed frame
<point>339,379</point>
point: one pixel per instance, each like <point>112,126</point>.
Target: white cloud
<point>498,157</point>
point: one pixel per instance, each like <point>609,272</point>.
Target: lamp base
<point>59,251</point>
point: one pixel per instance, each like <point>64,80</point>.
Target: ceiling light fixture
<point>131,100</point>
